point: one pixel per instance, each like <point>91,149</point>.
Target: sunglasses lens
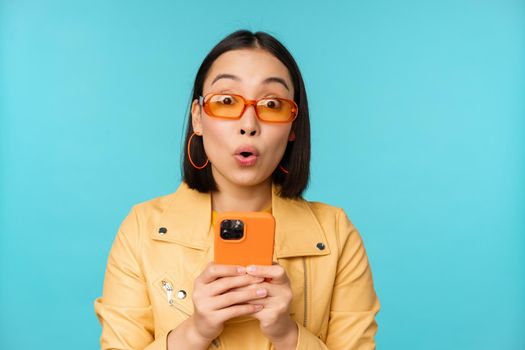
<point>276,110</point>
<point>225,106</point>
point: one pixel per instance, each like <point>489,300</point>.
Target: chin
<point>243,177</point>
<point>248,178</point>
<point>247,181</point>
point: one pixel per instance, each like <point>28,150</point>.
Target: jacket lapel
<point>297,230</point>
<point>187,220</point>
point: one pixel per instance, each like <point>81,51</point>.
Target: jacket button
<point>320,246</point>
<point>181,294</point>
<point>163,230</point>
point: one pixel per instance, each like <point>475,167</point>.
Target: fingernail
<point>241,270</point>
<point>261,292</point>
<point>258,307</point>
<point>250,268</point>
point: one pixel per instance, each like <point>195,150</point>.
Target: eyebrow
<point>265,81</point>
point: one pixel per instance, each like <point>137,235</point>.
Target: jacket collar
<point>187,219</point>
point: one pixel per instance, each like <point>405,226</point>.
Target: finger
<point>275,272</point>
<point>273,289</point>
<point>231,298</point>
<point>244,288</point>
<point>260,284</point>
<point>267,303</point>
<point>225,284</point>
<point>214,271</point>
<point>238,310</point>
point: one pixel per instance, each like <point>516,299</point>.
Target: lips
<point>246,155</point>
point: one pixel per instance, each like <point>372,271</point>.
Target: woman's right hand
<point>214,301</point>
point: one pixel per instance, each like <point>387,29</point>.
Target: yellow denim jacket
<point>163,244</point>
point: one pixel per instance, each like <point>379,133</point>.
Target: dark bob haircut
<point>296,158</point>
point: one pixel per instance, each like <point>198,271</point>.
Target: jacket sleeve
<point>352,324</point>
<point>124,310</point>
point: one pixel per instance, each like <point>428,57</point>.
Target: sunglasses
<point>232,106</point>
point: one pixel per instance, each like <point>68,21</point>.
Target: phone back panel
<point>254,248</point>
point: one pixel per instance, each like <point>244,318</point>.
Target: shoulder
<point>323,209</point>
<point>155,205</point>
<point>150,211</point>
<point>181,211</point>
<point>143,215</point>
<point>336,223</point>
<point>329,213</point>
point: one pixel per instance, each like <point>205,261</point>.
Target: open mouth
<point>246,155</point>
<point>246,158</point>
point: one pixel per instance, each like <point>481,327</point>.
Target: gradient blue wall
<point>418,132</point>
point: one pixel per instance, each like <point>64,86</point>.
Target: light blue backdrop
<point>418,132</point>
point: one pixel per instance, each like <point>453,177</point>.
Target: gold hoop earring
<point>189,155</point>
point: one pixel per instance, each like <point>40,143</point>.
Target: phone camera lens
<point>232,229</point>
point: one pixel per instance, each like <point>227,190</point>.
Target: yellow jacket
<point>166,242</point>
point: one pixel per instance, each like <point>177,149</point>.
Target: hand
<point>275,320</point>
<point>216,300</point>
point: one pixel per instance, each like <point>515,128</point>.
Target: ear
<point>292,136</point>
<point>196,117</point>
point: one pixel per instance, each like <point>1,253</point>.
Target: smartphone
<point>244,238</point>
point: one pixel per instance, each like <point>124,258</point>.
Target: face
<point>228,143</point>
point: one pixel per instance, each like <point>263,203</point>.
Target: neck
<point>232,197</point>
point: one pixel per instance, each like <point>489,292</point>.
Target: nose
<point>249,124</point>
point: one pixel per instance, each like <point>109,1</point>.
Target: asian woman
<point>247,149</point>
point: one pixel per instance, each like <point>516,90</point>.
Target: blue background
<point>418,132</point>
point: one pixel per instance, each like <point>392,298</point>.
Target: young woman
<point>248,149</point>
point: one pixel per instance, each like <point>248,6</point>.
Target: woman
<point>248,149</point>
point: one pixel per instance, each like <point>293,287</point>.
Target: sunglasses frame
<point>203,101</point>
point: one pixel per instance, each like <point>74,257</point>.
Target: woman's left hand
<point>275,321</point>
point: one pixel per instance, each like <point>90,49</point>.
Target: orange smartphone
<point>244,238</point>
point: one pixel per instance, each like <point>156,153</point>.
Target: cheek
<point>214,141</point>
<point>278,140</point>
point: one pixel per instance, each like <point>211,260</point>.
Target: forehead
<point>251,66</point>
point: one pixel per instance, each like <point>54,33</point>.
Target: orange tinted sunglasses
<point>232,106</point>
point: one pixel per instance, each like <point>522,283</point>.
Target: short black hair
<point>296,158</point>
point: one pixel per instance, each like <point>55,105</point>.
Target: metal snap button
<point>320,246</point>
<point>163,230</point>
<point>181,294</point>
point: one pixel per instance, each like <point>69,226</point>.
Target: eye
<point>271,103</point>
<point>223,99</point>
